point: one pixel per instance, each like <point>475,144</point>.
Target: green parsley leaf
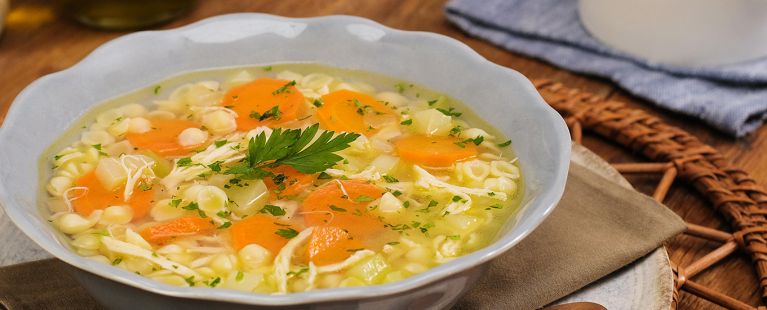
<point>457,198</point>
<point>175,202</point>
<point>284,88</point>
<point>184,162</point>
<point>189,280</point>
<point>317,103</point>
<point>450,112</point>
<point>289,233</point>
<point>220,143</point>
<point>273,113</point>
<point>267,68</point>
<point>273,210</point>
<point>157,89</point>
<point>191,206</point>
<point>216,166</point>
<point>226,224</point>
<point>144,186</point>
<point>507,143</point>
<point>298,272</point>
<point>334,208</point>
<point>215,282</point>
<point>324,176</point>
<point>432,102</point>
<point>407,122</point>
<point>117,261</point>
<point>239,276</point>
<point>390,179</point>
<point>363,198</point>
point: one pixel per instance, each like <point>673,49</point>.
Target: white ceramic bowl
<point>685,33</point>
<point>502,96</point>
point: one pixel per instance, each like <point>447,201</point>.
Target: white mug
<point>687,33</point>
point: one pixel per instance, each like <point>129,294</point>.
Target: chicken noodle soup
<point>282,179</point>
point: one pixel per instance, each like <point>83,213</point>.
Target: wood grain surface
<point>36,42</point>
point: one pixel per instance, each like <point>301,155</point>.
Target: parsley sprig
<point>294,148</point>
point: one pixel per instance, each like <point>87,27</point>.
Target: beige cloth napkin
<point>596,229</point>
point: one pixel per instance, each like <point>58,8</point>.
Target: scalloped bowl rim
<point>550,196</point>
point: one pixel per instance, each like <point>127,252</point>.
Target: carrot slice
<point>180,227</point>
<point>434,151</point>
<point>343,204</point>
<point>259,229</point>
<point>261,96</point>
<point>330,244</point>
<point>163,137</point>
<point>97,197</point>
<point>344,110</point>
<point>294,182</point>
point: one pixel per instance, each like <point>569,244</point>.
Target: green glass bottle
<point>124,14</point>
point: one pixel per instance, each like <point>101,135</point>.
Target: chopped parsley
<point>317,103</point>
<point>390,179</point>
<point>226,224</point>
<point>363,198</point>
<point>273,210</point>
<point>175,202</point>
<point>117,261</point>
<point>432,102</point>
<point>216,166</point>
<point>334,208</point>
<point>495,206</point>
<point>144,186</point>
<point>407,122</point>
<point>184,162</point>
<point>284,88</point>
<point>157,89</point>
<point>267,68</point>
<point>239,276</point>
<point>220,143</point>
<point>324,176</point>
<point>273,113</point>
<point>189,280</point>
<point>507,143</point>
<point>450,112</point>
<point>214,282</point>
<point>298,272</point>
<point>288,233</point>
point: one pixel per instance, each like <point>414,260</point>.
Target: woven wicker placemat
<point>677,155</point>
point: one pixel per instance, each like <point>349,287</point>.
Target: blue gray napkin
<point>732,98</point>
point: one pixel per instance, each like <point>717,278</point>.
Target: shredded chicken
<point>125,248</point>
<point>282,260</point>
<point>427,180</point>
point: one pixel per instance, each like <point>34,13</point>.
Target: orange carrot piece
<point>98,198</point>
<point>294,181</point>
<point>261,96</point>
<point>344,110</point>
<point>329,205</point>
<point>163,137</point>
<point>184,226</point>
<point>259,229</point>
<point>330,244</point>
<point>434,151</point>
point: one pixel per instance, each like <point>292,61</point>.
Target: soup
<point>279,179</point>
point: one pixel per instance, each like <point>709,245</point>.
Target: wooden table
<point>37,42</point>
